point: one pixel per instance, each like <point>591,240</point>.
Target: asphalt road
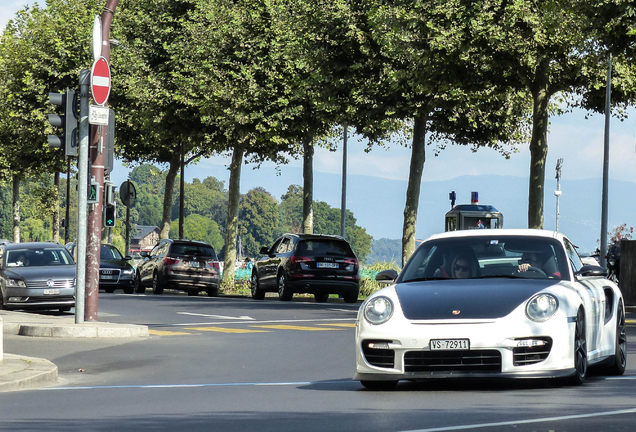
<point>234,364</point>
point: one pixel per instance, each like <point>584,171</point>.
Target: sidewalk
<point>21,372</point>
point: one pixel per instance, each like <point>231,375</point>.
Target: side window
<point>573,256</point>
<point>156,250</point>
<point>284,246</point>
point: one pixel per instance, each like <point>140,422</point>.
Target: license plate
<point>106,277</point>
<point>194,264</point>
<point>52,291</point>
<point>449,344</point>
<point>327,265</point>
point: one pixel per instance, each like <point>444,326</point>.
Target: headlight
<point>127,271</point>
<point>378,310</point>
<point>17,283</point>
<point>542,307</point>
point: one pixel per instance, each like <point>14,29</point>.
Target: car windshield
<point>40,257</point>
<point>195,250</point>
<point>489,256</point>
<point>109,253</point>
<point>324,247</point>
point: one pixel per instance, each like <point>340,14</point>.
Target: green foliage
<point>258,221</point>
<point>385,250</point>
<point>197,227</point>
<point>207,198</point>
<point>33,229</point>
<point>368,285</point>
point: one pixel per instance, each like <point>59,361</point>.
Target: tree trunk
<point>16,208</point>
<point>175,164</point>
<point>308,183</point>
<point>56,208</point>
<point>234,195</point>
<point>538,149</point>
<point>418,157</point>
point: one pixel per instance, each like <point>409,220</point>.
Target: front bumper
<point>34,298</point>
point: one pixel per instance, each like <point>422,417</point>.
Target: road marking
<point>519,422</point>
<point>166,333</point>
<point>163,386</point>
<point>217,316</point>
<point>340,325</point>
<point>226,330</point>
<point>270,321</point>
<point>290,327</point>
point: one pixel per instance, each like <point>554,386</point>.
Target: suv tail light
<point>171,261</point>
<point>214,265</point>
<point>299,259</point>
<point>353,261</point>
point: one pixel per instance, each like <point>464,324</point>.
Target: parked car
<point>115,271</point>
<point>491,303</point>
<point>36,276</point>
<point>307,263</point>
<point>187,265</point>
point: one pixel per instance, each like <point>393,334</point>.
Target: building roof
<point>143,231</point>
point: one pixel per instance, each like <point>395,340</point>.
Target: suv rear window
<point>190,249</point>
<point>324,247</point>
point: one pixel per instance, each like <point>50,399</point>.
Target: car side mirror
<point>264,251</point>
<point>144,254</point>
<point>386,276</point>
<point>592,270</point>
<point>128,258</point>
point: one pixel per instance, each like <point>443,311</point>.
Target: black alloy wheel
<point>213,292</point>
<point>139,288</point>
<point>257,292</point>
<point>156,287</point>
<point>284,293</point>
<point>620,350</point>
<point>580,350</point>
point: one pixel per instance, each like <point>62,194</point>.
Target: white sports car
<point>491,303</point>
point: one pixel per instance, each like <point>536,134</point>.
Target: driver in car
<point>529,259</point>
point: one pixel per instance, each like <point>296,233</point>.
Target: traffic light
<point>93,193</point>
<point>110,215</point>
<point>109,193</point>
<point>67,121</point>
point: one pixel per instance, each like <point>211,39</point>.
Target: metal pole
<point>343,202</point>
<point>604,203</point>
<point>557,193</point>
<point>82,196</point>
<point>68,201</point>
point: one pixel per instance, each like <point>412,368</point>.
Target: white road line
<point>163,386</point>
<point>519,422</point>
<point>259,322</point>
<point>242,317</point>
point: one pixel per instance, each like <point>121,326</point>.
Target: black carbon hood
<point>474,298</point>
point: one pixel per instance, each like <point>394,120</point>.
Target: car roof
<point>32,245</point>
<point>498,232</point>
<point>315,236</point>
<point>185,241</point>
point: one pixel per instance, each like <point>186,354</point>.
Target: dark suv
<point>187,265</point>
<point>307,263</point>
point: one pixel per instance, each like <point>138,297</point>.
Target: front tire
<point>109,290</point>
<point>256,291</point>
<point>620,350</point>
<point>284,293</point>
<point>129,290</point>
<point>156,287</point>
<point>580,350</point>
<point>139,288</point>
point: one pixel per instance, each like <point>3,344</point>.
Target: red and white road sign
<point>100,81</point>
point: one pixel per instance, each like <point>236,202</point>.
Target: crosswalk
<point>254,328</point>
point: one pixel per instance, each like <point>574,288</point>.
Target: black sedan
<point>115,270</point>
<point>36,276</point>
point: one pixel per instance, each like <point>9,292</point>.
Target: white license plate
<point>194,264</point>
<point>106,277</point>
<point>52,291</point>
<point>449,344</point>
<point>327,265</point>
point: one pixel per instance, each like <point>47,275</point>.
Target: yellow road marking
<point>225,330</point>
<point>340,325</point>
<point>290,327</point>
<point>167,333</point>
<point>631,321</point>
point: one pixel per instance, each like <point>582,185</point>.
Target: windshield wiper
<point>499,277</point>
<point>426,279</point>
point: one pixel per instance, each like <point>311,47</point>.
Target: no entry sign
<point>100,81</point>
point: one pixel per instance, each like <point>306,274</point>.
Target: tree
<point>207,198</point>
<point>418,64</point>
<point>258,221</point>
<point>197,227</point>
<point>154,125</point>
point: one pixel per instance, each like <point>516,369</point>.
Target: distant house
<point>145,239</point>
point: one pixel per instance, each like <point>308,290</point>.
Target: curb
<point>103,330</point>
<point>27,373</point>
